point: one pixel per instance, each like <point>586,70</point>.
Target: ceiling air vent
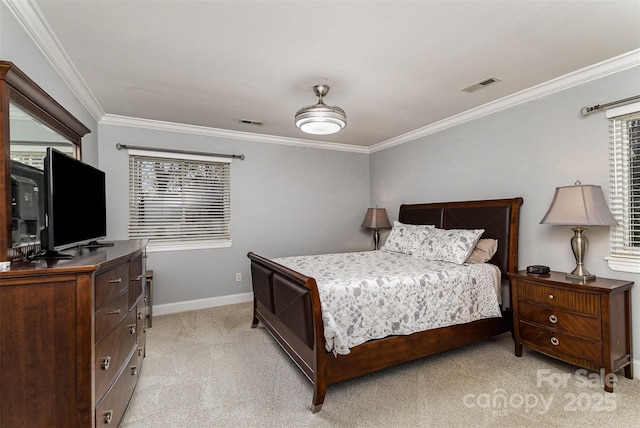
<point>480,85</point>
<point>251,122</point>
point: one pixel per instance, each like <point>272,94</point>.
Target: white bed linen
<point>373,294</point>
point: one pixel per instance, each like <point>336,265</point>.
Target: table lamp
<point>579,205</point>
<point>376,218</point>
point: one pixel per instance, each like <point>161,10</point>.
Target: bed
<point>288,302</point>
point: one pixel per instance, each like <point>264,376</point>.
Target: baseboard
<point>636,369</point>
<point>192,305</point>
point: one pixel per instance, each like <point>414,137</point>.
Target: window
<point>624,184</point>
<point>179,201</point>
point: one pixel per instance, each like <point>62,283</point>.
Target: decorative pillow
<point>484,250</point>
<point>406,238</point>
<point>449,245</point>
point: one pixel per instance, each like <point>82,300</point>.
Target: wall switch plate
<point>238,277</point>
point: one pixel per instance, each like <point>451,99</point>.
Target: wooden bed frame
<point>288,304</point>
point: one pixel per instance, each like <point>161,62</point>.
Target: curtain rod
<point>185,152</point>
<point>586,110</point>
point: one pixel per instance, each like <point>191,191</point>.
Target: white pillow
<point>406,238</point>
<point>449,245</point>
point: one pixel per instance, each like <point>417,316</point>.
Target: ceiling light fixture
<point>321,119</point>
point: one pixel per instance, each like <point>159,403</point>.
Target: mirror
<point>30,121</point>
<point>29,139</point>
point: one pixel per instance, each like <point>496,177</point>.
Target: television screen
<point>75,202</point>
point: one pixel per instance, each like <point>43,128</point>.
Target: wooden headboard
<point>499,218</point>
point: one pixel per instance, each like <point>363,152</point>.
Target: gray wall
<point>17,47</point>
<point>285,200</point>
<point>527,151</point>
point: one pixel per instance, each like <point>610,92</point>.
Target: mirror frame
<point>17,87</point>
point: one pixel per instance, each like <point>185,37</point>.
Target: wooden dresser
<point>72,337</point>
<point>586,324</point>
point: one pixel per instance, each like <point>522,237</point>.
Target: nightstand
<point>587,324</point>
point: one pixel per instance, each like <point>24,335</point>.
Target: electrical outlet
<point>238,277</point>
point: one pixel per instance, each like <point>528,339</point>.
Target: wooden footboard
<point>288,304</point>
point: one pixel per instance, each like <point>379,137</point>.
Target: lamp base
<point>579,246</point>
<point>581,278</point>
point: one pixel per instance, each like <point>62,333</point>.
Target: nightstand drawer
<point>588,327</point>
<point>584,303</point>
<point>558,343</point>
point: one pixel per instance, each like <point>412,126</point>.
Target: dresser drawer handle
<point>555,341</point>
<point>115,281</point>
<point>132,328</point>
<point>553,318</point>
<point>108,417</point>
<point>140,315</point>
<point>114,312</point>
<point>105,363</point>
<point>140,352</point>
<point>138,278</point>
<point>134,370</point>
<point>551,296</point>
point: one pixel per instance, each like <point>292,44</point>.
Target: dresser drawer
<point>108,316</point>
<point>558,343</point>
<point>570,300</point>
<point>588,327</point>
<point>110,410</point>
<point>113,351</point>
<point>110,284</point>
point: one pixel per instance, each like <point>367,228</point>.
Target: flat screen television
<point>75,203</point>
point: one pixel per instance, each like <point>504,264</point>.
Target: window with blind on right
<point>624,187</point>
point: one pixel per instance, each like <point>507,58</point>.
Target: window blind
<point>177,201</point>
<point>624,180</point>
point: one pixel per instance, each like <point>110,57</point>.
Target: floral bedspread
<point>373,294</point>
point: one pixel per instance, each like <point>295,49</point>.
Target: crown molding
<point>157,125</point>
<point>30,18</point>
<point>587,74</point>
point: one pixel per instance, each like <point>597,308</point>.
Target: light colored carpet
<point>208,368</point>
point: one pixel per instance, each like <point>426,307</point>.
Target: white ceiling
<point>393,66</point>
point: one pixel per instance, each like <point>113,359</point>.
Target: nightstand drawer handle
<point>553,318</point>
<point>555,341</point>
<point>551,296</point>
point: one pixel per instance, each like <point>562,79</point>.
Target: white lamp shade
<point>579,205</point>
